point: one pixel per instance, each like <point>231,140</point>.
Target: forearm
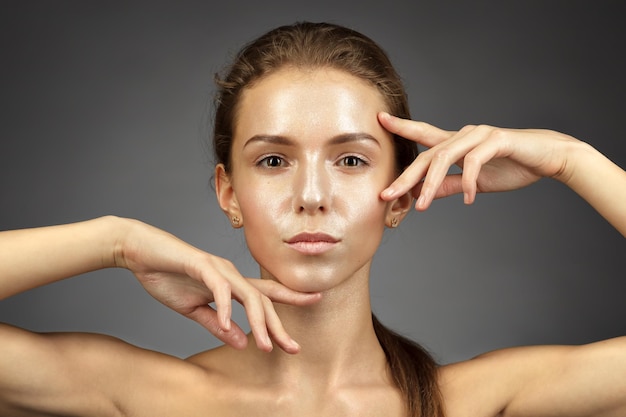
<point>599,181</point>
<point>30,258</point>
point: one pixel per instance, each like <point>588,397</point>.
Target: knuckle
<point>467,128</point>
<point>267,302</point>
<point>471,159</point>
<point>467,182</point>
<point>216,281</point>
<point>225,285</point>
<point>498,135</point>
<point>447,188</point>
<point>253,298</point>
<point>491,132</point>
<point>213,260</point>
<point>228,264</point>
<point>484,128</point>
<point>442,155</point>
<point>419,127</point>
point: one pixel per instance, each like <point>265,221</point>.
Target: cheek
<point>265,211</point>
<point>364,202</point>
<point>362,197</point>
<point>365,216</point>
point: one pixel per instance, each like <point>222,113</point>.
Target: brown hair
<point>322,45</point>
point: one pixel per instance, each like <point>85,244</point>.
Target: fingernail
<point>295,346</point>
<point>421,201</point>
<point>224,321</point>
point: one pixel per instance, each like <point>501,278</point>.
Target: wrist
<point>579,160</point>
<point>116,229</point>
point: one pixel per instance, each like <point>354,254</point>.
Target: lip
<point>312,243</point>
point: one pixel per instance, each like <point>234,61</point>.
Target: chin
<point>310,278</point>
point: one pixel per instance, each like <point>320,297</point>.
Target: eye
<point>271,161</point>
<point>351,161</point>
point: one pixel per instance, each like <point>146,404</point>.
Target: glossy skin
<point>324,168</point>
<point>307,200</point>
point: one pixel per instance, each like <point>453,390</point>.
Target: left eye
<point>271,161</point>
<point>350,161</point>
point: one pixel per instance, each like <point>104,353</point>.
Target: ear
<point>226,196</point>
<point>398,209</point>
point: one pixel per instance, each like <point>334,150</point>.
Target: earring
<point>394,222</point>
<point>235,221</point>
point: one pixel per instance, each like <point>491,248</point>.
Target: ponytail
<point>414,372</point>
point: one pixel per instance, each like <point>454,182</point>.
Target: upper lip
<point>312,237</point>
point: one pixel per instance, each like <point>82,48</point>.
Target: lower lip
<point>312,248</point>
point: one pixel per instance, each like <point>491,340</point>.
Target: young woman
<point>316,156</point>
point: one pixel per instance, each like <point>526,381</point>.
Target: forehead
<point>306,103</point>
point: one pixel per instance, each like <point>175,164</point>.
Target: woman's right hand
<point>187,280</point>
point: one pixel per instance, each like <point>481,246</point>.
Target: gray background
<point>106,107</point>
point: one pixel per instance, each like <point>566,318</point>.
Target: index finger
<point>420,132</point>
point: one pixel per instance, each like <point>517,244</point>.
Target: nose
<point>312,188</point>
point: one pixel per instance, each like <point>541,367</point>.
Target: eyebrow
<point>335,140</point>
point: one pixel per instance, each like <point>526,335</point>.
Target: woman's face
<point>309,160</point>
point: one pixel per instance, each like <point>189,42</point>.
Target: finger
<point>452,184</point>
<point>207,318</point>
<point>240,290</point>
<point>277,331</point>
<point>475,160</point>
<point>281,294</point>
<point>212,276</point>
<point>409,179</point>
<point>424,134</point>
<point>454,151</point>
<point>420,132</point>
<point>222,297</point>
<point>255,310</point>
<point>252,301</point>
<point>437,171</point>
<point>276,292</point>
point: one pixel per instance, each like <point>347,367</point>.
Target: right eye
<point>271,161</point>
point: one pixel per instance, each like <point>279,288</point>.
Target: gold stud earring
<point>394,222</point>
<point>236,221</point>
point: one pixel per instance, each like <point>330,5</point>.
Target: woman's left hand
<point>492,159</point>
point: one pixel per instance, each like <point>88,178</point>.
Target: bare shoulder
<point>538,380</point>
<point>91,374</point>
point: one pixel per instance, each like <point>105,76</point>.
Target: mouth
<point>312,243</point>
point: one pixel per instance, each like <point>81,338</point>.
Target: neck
<point>336,336</point>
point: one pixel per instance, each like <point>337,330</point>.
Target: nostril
<point>302,209</point>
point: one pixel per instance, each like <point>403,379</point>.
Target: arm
<point>599,181</point>
<point>572,381</point>
<point>67,374</point>
<point>93,375</point>
<point>564,381</point>
<point>177,274</point>
<point>30,258</point>
<point>495,159</point>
